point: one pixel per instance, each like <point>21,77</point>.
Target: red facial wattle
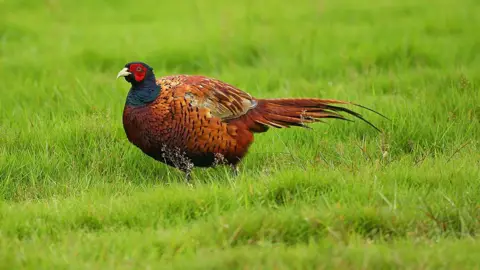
<point>138,71</point>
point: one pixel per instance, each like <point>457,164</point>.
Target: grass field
<point>75,194</point>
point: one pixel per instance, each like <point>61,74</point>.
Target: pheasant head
<point>144,88</point>
<point>136,73</point>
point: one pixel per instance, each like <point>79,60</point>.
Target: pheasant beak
<point>123,73</point>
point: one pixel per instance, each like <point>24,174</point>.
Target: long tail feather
<point>282,113</point>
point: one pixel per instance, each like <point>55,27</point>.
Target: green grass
<point>75,194</point>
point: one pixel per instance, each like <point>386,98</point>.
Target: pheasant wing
<point>221,99</point>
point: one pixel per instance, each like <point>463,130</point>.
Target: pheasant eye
<point>138,69</point>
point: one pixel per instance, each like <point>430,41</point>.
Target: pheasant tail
<point>282,113</point>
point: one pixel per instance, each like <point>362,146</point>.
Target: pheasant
<point>188,121</point>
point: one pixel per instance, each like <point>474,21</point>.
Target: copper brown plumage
<point>186,121</point>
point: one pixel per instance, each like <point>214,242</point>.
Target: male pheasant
<point>186,121</point>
